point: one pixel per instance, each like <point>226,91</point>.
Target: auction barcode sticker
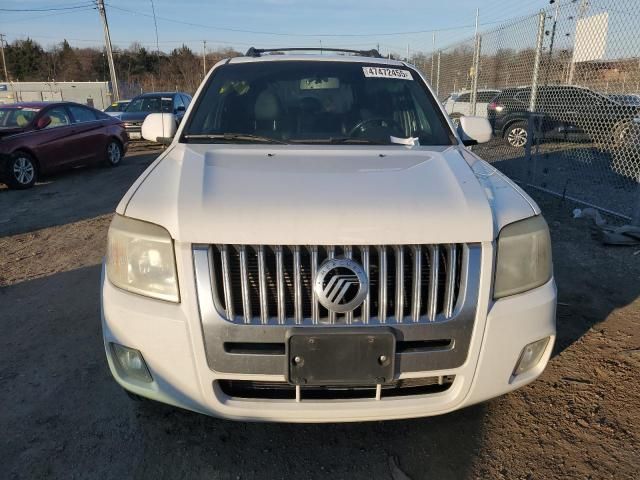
<point>377,72</point>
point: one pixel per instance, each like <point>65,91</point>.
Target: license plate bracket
<point>340,356</point>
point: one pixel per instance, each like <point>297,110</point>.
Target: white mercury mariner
<point>318,244</point>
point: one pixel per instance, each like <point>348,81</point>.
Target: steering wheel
<point>384,122</point>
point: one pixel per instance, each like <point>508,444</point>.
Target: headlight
<point>524,257</point>
<point>140,259</point>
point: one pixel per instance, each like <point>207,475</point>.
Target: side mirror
<point>159,127</point>
<point>180,108</point>
<point>474,130</point>
<point>43,122</point>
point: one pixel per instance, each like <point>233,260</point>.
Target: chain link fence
<point>562,91</point>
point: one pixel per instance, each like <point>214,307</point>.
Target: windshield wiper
<point>243,137</point>
<point>340,140</point>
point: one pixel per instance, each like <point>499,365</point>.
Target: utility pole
<point>433,49</point>
<point>4,61</point>
<point>107,41</point>
<point>536,62</point>
<point>204,58</point>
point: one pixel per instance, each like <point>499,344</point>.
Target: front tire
<point>22,171</point>
<point>624,134</point>
<point>517,134</point>
<point>114,153</point>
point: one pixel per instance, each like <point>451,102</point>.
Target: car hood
<point>133,116</point>
<point>253,194</point>
<point>7,131</point>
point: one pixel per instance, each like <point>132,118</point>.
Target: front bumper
<point>170,338</point>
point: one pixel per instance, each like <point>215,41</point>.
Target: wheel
<point>22,171</point>
<point>517,134</point>
<point>624,134</point>
<point>114,153</point>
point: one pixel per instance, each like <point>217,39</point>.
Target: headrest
<point>267,106</point>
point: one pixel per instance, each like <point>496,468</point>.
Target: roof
<point>155,94</point>
<point>30,104</point>
<point>318,58</point>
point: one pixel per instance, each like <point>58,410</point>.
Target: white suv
<point>317,245</point>
<point>459,104</point>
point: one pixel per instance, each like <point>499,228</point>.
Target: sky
<point>390,24</point>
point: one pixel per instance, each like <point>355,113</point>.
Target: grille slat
<point>434,257</point>
<point>399,300</point>
<point>244,281</point>
<point>364,252</point>
<point>449,294</point>
<point>382,293</point>
<point>417,283</point>
<point>280,287</point>
<point>226,278</point>
<point>297,284</point>
<point>315,314</point>
<point>407,283</point>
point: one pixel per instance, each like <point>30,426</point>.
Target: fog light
<point>530,356</point>
<point>131,363</point>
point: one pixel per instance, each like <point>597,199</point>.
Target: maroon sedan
<point>38,138</point>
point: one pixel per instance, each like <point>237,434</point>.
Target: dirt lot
<point>62,415</point>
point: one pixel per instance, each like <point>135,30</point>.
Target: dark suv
<point>157,102</point>
<point>563,112</point>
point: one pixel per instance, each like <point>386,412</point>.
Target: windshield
<point>317,102</point>
<point>117,107</point>
<point>16,117</point>
<point>151,104</point>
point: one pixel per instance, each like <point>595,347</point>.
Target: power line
<point>75,7</point>
<point>281,34</point>
<point>30,18</point>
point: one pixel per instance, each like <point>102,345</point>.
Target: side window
<point>81,114</point>
<point>486,97</point>
<point>465,97</point>
<point>177,102</point>
<point>59,117</point>
<point>187,100</point>
<point>524,96</point>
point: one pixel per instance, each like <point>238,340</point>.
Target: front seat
<point>268,114</point>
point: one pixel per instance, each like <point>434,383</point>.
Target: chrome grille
<point>274,284</point>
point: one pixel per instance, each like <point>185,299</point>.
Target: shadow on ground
<point>78,194</point>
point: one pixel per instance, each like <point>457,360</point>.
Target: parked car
<point>459,104</point>
<point>563,112</point>
<point>318,245</point>
<point>38,138</point>
<point>175,103</point>
<point>116,108</point>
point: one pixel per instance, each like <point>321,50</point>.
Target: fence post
<point>476,72</point>
<point>438,76</point>
<point>536,62</point>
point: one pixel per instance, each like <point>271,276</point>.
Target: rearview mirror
<point>159,127</point>
<point>474,130</point>
<point>43,122</point>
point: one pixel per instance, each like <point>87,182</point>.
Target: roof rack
<point>257,52</point>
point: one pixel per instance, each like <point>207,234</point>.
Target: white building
<point>96,94</point>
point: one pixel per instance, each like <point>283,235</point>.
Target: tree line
<point>138,69</point>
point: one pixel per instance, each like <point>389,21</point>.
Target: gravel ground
<point>63,416</point>
<point>607,177</point>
